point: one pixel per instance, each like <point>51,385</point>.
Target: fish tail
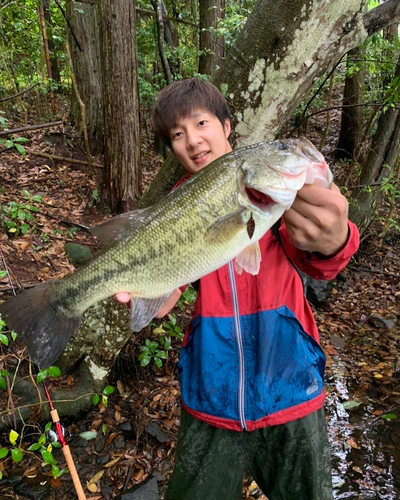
<point>44,326</point>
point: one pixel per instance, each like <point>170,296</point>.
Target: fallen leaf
<point>96,477</point>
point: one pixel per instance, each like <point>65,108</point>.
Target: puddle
<point>365,447</point>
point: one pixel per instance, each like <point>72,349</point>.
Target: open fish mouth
<point>260,200</point>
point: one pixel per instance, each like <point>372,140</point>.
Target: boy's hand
<point>317,220</point>
<point>124,297</point>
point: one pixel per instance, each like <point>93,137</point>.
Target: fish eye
<point>281,146</point>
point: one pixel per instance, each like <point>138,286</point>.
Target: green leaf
<point>54,371</point>
<point>3,383</point>
<point>348,405</point>
<point>3,274</point>
<point>17,455</point>
<point>42,375</point>
<point>109,389</point>
<point>96,399</point>
<point>55,471</point>
<point>145,360</point>
<point>34,447</point>
<point>3,339</point>
<point>21,139</point>
<point>48,426</point>
<point>14,335</point>
<point>104,400</point>
<point>48,457</point>
<point>389,416</point>
<point>161,354</point>
<point>158,361</point>
<point>20,149</point>
<point>3,452</point>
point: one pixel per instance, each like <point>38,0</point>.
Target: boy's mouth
<point>198,158</point>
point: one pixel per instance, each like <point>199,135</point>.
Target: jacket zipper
<point>239,341</point>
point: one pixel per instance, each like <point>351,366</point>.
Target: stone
<point>318,291</point>
<point>78,254</point>
<point>380,322</point>
<point>147,490</point>
<point>153,428</point>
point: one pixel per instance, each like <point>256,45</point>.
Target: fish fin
<point>144,310</point>
<point>249,259</point>
<point>113,230</point>
<point>43,326</point>
<point>226,227</point>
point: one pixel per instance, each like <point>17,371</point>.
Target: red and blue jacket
<point>251,355</point>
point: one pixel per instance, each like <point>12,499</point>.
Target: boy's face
<point>199,139</point>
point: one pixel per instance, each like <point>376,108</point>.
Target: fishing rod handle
<point>69,460</point>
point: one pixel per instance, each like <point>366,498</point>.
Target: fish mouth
<point>260,200</point>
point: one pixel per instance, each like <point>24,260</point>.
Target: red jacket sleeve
<point>316,266</point>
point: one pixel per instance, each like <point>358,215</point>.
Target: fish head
<point>273,172</point>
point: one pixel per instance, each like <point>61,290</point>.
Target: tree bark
<point>352,116</point>
<point>382,156</point>
<point>212,47</point>
<point>55,70</point>
<point>86,60</point>
<point>122,181</point>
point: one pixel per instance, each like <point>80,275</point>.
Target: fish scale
<point>203,224</point>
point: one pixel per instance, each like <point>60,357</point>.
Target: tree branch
<point>19,93</point>
<point>30,127</point>
<point>382,16</point>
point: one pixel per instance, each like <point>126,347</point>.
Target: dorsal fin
<point>114,229</point>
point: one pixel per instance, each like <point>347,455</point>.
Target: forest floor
<point>136,434</point>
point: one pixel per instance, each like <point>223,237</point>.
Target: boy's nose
<point>193,138</point>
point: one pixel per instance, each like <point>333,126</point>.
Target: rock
<point>153,428</point>
<point>78,254</point>
<point>147,490</point>
<point>36,488</point>
<point>318,291</point>
<point>379,322</point>
<point>127,430</point>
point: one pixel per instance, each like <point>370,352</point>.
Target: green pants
<point>288,462</point>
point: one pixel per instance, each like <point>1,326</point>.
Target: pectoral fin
<point>225,228</point>
<point>144,310</point>
<point>249,259</point>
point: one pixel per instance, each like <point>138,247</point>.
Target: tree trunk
<point>352,114</point>
<point>122,181</point>
<point>55,70</point>
<point>85,52</point>
<point>382,155</point>
<point>212,47</point>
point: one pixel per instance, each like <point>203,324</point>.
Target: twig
<point>61,158</point>
<point>30,127</point>
<point>11,401</point>
<point>19,93</point>
<point>148,12</point>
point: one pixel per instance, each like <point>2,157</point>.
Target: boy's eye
<point>176,135</point>
<point>202,122</point>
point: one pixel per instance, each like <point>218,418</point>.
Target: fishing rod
<point>56,419</point>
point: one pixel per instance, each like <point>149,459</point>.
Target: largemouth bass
<point>217,215</point>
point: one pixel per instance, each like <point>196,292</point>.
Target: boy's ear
<point>227,128</point>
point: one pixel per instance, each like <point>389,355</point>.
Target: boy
<point>251,369</point>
